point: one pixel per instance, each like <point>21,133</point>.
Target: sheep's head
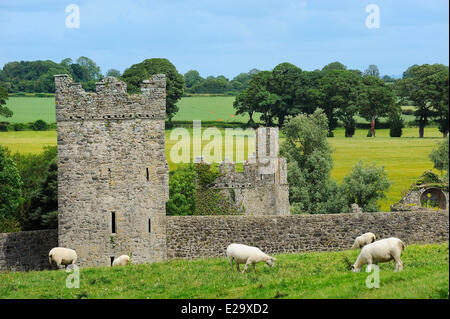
<point>270,262</point>
<point>355,268</point>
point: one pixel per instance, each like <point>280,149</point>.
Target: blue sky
<point>229,37</point>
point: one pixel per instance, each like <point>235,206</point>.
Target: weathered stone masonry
<point>112,170</point>
<point>208,236</point>
<point>27,250</point>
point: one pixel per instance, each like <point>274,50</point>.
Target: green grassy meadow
<point>30,109</point>
<point>305,275</point>
<point>405,158</point>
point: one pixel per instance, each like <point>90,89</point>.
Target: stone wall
<point>208,236</point>
<point>191,237</point>
<point>28,250</point>
<point>113,178</point>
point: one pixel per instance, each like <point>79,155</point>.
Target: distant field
<point>294,276</point>
<point>205,108</point>
<point>30,109</point>
<point>214,108</point>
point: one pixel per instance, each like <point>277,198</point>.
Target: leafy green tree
<point>33,170</point>
<point>39,125</point>
<point>113,72</point>
<point>424,86</point>
<point>375,100</point>
<point>192,78</point>
<point>339,91</point>
<point>396,123</point>
<point>44,207</point>
<point>144,70</point>
<point>10,186</point>
<point>365,185</point>
<point>182,191</point>
<point>440,100</point>
<point>388,79</point>
<point>4,111</point>
<point>309,164</point>
<point>372,70</point>
<point>256,98</point>
<point>92,68</point>
<point>333,66</point>
<point>284,77</point>
<point>439,156</point>
<point>212,84</point>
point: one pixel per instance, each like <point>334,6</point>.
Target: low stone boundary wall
<point>27,250</point>
<point>191,237</point>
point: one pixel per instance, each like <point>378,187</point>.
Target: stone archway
<point>433,197</point>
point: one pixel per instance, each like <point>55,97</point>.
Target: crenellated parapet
<point>262,187</point>
<point>110,101</point>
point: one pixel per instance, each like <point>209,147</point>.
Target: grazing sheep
<point>380,251</point>
<point>121,261</point>
<point>363,240</point>
<point>62,256</point>
<point>247,255</point>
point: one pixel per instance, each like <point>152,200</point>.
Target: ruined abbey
<point>113,186</point>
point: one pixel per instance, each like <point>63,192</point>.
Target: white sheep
<point>247,255</point>
<point>121,261</point>
<point>62,256</point>
<point>380,251</point>
<point>363,240</point>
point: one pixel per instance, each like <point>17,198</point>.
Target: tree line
<point>285,91</point>
<point>343,94</point>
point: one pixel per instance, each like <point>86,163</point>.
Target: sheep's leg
<point>230,259</point>
<point>237,266</point>
<point>246,266</point>
<point>398,263</point>
<point>254,267</point>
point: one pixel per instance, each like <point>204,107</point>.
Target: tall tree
<point>191,78</point>
<point>309,164</point>
<point>375,100</point>
<point>134,76</point>
<point>372,70</point>
<point>284,77</point>
<point>422,86</point>
<point>10,186</point>
<point>113,72</point>
<point>333,66</point>
<point>4,111</point>
<point>340,90</point>
<point>92,68</point>
<point>256,98</point>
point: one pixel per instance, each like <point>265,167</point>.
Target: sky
<point>230,36</point>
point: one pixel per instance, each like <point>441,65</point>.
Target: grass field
<point>30,109</point>
<point>307,275</point>
<point>210,108</point>
<point>405,159</point>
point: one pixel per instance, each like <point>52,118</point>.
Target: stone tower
<point>262,188</point>
<point>112,170</point>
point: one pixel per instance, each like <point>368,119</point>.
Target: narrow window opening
<point>113,222</point>
<point>148,176</point>
<point>149,225</point>
<point>112,260</point>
